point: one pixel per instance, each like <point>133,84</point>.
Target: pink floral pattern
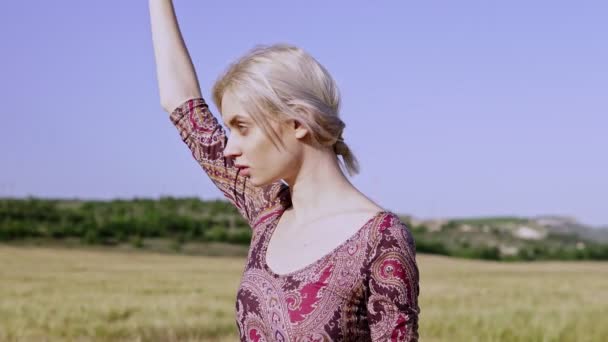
<point>366,289</point>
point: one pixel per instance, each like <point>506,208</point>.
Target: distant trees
<point>108,222</point>
<point>450,241</point>
<point>189,219</point>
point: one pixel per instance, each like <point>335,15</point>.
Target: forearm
<point>177,80</point>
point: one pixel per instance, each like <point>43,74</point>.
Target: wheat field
<point>58,294</point>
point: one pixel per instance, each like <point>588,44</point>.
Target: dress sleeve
<point>392,288</point>
<point>202,133</point>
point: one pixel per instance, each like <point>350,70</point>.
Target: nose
<point>231,149</point>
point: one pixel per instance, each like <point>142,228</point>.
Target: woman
<point>325,262</point>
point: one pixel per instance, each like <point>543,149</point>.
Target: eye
<point>241,127</point>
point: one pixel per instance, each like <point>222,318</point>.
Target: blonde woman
<point>325,263</point>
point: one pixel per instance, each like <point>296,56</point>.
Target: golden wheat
<point>56,294</point>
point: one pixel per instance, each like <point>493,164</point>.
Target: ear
<point>299,130</point>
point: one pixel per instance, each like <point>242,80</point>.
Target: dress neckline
<point>322,259</point>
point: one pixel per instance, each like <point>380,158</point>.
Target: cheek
<point>259,147</point>
<point>268,156</point>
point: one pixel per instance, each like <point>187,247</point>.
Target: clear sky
<point>454,108</point>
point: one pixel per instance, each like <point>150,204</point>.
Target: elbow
<point>169,104</point>
<point>166,106</point>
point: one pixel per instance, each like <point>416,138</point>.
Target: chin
<point>258,183</point>
<point>253,181</point>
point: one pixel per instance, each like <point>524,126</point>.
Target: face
<point>249,146</point>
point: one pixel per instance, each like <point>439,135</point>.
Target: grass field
<point>58,294</point>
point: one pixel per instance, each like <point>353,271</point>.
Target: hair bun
<point>340,147</point>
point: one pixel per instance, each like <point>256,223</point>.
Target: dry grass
<point>85,295</point>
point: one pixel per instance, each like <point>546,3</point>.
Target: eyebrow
<point>235,118</point>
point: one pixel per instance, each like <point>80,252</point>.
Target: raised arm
<point>181,97</point>
<point>177,80</point>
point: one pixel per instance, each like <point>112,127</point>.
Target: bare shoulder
<point>366,205</point>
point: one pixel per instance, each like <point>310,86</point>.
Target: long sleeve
<point>202,133</point>
<point>392,288</point>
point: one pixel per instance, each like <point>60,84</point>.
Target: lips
<point>244,170</point>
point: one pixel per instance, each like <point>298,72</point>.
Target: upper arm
<point>393,284</point>
<point>206,139</point>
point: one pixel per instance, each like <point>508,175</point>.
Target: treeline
<point>442,244</point>
<point>111,222</point>
<point>192,220</point>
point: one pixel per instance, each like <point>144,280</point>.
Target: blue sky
<point>454,109</point>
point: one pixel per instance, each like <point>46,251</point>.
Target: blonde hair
<point>280,82</point>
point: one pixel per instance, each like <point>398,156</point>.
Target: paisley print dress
<point>366,289</point>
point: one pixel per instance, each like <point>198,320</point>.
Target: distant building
<point>527,233</point>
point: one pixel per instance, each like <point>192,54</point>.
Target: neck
<point>319,187</point>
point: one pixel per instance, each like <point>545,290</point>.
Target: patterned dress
<point>366,289</point>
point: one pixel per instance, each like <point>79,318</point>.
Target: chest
<point>292,247</point>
